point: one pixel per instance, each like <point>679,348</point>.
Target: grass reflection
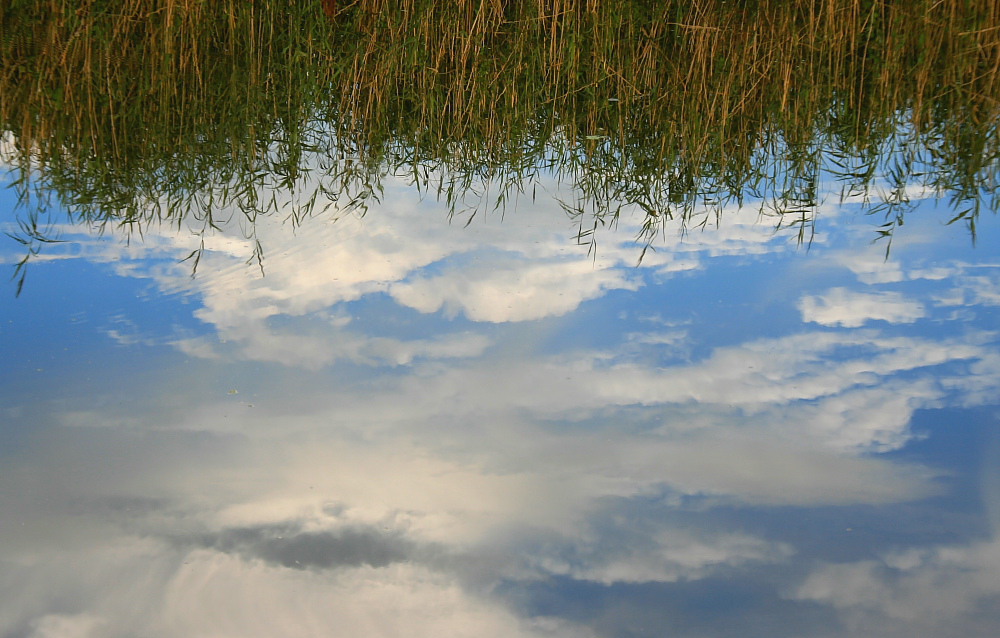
<point>129,112</point>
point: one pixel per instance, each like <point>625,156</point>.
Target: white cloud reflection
<point>404,501</point>
<point>143,588</point>
<point>945,591</point>
<point>938,590</point>
<point>400,496</point>
<point>842,307</point>
<point>531,270</point>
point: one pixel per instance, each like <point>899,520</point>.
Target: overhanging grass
<point>132,111</point>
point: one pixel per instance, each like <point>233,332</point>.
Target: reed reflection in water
<point>138,113</point>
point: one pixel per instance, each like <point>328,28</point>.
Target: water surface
<point>407,426</point>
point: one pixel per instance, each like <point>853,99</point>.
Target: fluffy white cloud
<point>944,591</point>
<point>145,588</point>
<point>979,290</point>
<point>872,267</point>
<point>751,376</point>
<point>460,450</point>
<point>850,309</point>
<point>502,289</point>
<point>672,555</point>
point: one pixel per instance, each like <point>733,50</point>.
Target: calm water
<point>408,427</point>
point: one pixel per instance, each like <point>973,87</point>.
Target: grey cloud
<point>290,546</point>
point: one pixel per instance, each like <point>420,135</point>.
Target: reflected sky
<point>410,426</point>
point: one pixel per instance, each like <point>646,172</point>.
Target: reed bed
<point>133,111</point>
